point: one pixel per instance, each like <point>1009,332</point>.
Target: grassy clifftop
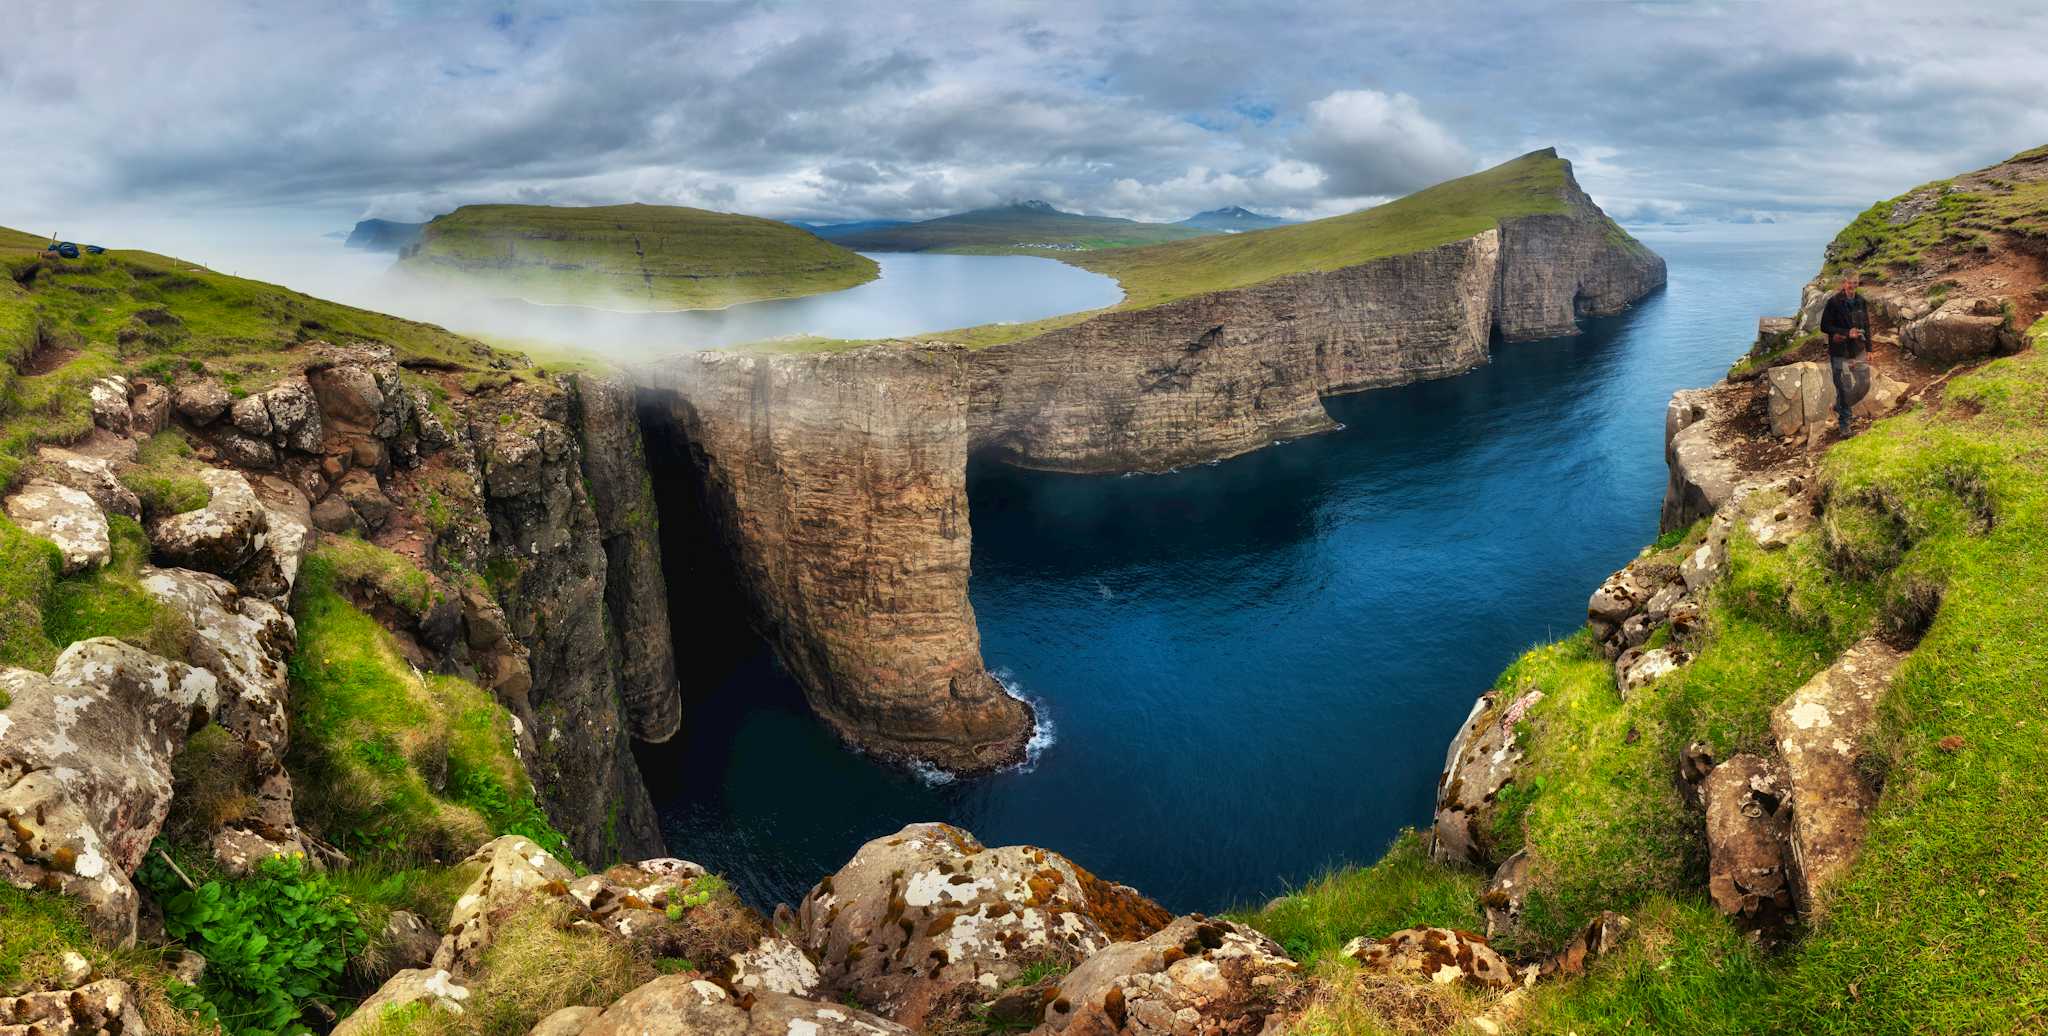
<point>635,257</point>
<point>1030,228</point>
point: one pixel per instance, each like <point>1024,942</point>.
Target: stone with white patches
<point>1439,955</point>
<point>775,965</point>
<point>683,1004</point>
<point>1819,729</point>
<point>434,987</point>
<point>105,1007</point>
<point>1195,976</point>
<point>1483,758</point>
<point>93,476</point>
<point>66,517</point>
<point>85,770</point>
<point>513,868</point>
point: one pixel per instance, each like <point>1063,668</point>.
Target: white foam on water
<point>1043,736</point>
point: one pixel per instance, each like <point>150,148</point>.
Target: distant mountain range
<point>1025,226</point>
<point>835,231</point>
<point>383,235</point>
<point>1232,219</point>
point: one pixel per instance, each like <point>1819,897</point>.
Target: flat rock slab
<point>1748,855</point>
<point>66,517</point>
<point>1820,730</point>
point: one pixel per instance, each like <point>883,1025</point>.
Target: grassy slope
<point>1940,926</point>
<point>1013,229</point>
<point>630,256</point>
<point>1451,211</point>
<point>1963,211</point>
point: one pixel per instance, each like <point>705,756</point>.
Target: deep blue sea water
<point>1252,669</point>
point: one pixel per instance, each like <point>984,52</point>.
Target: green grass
<point>646,257</point>
<point>38,928</point>
<point>389,575</point>
<point>165,477</point>
<point>43,612</point>
<point>1403,890</point>
<point>1961,213</point>
<point>29,566</point>
<point>391,762</point>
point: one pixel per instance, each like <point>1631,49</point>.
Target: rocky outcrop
<point>838,484</point>
<point>1749,867</point>
<point>104,1008</point>
<point>1703,473</point>
<point>85,770</point>
<point>687,1004</point>
<point>1962,329</point>
<point>1802,397</point>
<point>917,914</point>
<point>1483,758</point>
<point>1439,955</point>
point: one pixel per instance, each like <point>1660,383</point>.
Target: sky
<point>179,118</point>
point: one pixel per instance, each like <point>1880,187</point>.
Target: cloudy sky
<point>313,115</point>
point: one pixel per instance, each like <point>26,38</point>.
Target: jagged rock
<point>1820,730</point>
<point>333,514</point>
<point>245,451</point>
<point>1439,955</point>
<point>149,411</point>
<point>279,552</point>
<point>569,1021</point>
<point>1617,598</point>
<point>1663,601</point>
<point>1749,859</point>
<point>66,517</point>
<point>915,914</point>
<point>1598,938</point>
<point>1962,329</point>
<point>85,770</point>
<point>1704,566</point>
<point>1802,397</point>
<point>295,415</point>
<point>1637,669</point>
<point>202,401</point>
<point>1482,759</point>
<point>220,537</point>
<point>109,397</point>
<point>365,497</point>
<point>692,1005</point>
<point>1703,476</point>
<point>775,965</point>
<point>1195,976</point>
<point>435,987</point>
<point>513,867</point>
<point>251,417</point>
<point>348,393</point>
<point>93,476</point>
<point>1506,896</point>
<point>103,1008</point>
<point>407,942</point>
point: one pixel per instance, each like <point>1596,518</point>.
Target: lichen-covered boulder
<point>687,1004</point>
<point>103,1008</point>
<point>1483,758</point>
<point>915,914</point>
<point>246,643</point>
<point>236,536</point>
<point>109,398</point>
<point>201,401</point>
<point>1195,976</point>
<point>434,987</point>
<point>1637,669</point>
<point>775,965</point>
<point>1748,855</point>
<point>1821,731</point>
<point>93,476</point>
<point>85,770</point>
<point>1506,896</point>
<point>513,868</point>
<point>294,415</point>
<point>66,517</point>
<point>1439,955</point>
<point>1801,400</point>
<point>149,409</point>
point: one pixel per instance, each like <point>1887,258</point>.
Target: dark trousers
<point>1849,377</point>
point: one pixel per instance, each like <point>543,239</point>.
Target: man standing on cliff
<point>1846,322</point>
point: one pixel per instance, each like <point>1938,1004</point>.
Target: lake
<point>915,294</point>
<point>1252,669</point>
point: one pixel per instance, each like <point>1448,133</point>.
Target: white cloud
<point>1373,143</point>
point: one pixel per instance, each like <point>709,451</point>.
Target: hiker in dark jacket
<point>1846,322</point>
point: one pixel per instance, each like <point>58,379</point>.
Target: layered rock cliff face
<point>838,483</point>
<point>836,479</point>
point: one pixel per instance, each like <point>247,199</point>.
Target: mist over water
<point>1253,668</point>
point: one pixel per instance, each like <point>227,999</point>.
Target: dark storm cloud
<point>867,108</point>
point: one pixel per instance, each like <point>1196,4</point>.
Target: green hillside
<point>636,257</point>
<point>1029,227</point>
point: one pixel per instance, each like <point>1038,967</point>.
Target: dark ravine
<point>836,479</point>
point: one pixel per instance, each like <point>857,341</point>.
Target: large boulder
<point>246,643</point>
<point>1195,976</point>
<point>1703,474</point>
<point>201,401</point>
<point>1962,329</point>
<point>1802,397</point>
<point>294,415</point>
<point>513,869</point>
<point>103,1008</point>
<point>688,1004</point>
<point>1822,730</point>
<point>109,399</point>
<point>1439,955</point>
<point>237,536</point>
<point>1483,758</point>
<point>66,517</point>
<point>93,476</point>
<point>85,770</point>
<point>1749,873</point>
<point>916,914</point>
<point>434,987</point>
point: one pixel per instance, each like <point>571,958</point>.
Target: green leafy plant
<point>696,894</point>
<point>275,943</point>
